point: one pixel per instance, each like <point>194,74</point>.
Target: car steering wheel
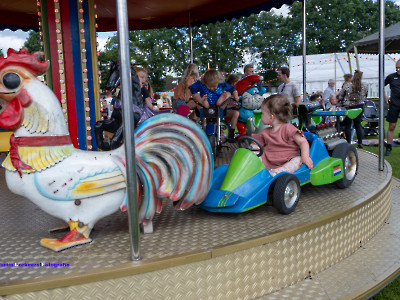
<point>245,142</point>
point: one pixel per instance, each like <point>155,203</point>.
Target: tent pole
<point>335,57</point>
<point>129,143</point>
<point>356,54</point>
<point>348,57</point>
<point>381,79</point>
<point>304,52</point>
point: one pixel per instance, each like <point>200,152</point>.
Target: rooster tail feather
<point>174,160</point>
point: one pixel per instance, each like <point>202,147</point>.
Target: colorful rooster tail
<point>174,160</point>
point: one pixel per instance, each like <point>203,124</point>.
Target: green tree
<point>33,42</point>
<point>334,25</point>
<point>218,45</point>
<point>1,53</point>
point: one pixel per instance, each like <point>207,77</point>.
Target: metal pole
<point>356,54</point>
<point>381,79</point>
<point>128,123</point>
<point>304,52</point>
<point>348,57</point>
<point>335,58</point>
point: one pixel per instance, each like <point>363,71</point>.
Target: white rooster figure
<point>173,158</point>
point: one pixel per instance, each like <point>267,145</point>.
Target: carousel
<point>66,208</point>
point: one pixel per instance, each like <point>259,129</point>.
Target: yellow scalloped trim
<point>40,158</point>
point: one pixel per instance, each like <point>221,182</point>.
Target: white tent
<point>322,67</point>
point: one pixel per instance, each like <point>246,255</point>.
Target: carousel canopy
<point>23,14</point>
<point>370,44</point>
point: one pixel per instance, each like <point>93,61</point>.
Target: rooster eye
<point>11,81</point>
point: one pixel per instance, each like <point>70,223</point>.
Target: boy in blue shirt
<point>212,89</point>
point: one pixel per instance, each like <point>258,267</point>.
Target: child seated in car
<point>285,147</point>
<point>212,89</point>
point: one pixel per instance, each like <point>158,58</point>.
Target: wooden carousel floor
<point>179,238</point>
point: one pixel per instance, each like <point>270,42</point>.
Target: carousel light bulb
<point>87,108</point>
<point>64,110</point>
<point>89,147</point>
<point>87,118</point>
<point>83,40</point>
<point>81,10</point>
<point>87,99</point>
<point>57,20</point>
<point>86,90</point>
<point>82,20</point>
<point>89,138</point>
<point>88,128</point>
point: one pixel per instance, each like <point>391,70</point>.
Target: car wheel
<point>348,154</point>
<point>286,193</point>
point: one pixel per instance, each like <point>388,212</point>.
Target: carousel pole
<point>128,123</point>
<point>381,79</point>
<point>304,52</point>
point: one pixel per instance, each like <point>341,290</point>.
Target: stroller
<point>371,117</point>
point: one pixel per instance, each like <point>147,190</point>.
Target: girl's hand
<point>307,161</point>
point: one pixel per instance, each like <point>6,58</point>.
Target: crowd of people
<point>195,93</point>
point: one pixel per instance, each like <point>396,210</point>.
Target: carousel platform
<point>338,243</point>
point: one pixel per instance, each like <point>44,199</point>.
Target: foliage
<point>334,25</point>
<point>33,42</point>
<point>270,39</point>
<point>1,53</point>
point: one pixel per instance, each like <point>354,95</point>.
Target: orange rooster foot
<point>71,239</point>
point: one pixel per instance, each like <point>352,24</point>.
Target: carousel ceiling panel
<point>22,14</point>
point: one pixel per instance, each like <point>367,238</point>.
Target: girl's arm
<point>187,93</point>
<point>304,150</point>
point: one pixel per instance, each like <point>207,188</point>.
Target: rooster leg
<point>78,235</point>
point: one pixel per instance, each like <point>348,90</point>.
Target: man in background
<point>394,105</point>
<point>288,88</point>
<point>249,70</point>
<point>330,90</point>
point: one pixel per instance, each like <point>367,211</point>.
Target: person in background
<point>394,105</point>
<point>182,93</point>
<point>354,94</point>
<point>148,87</point>
<point>249,70</point>
<point>333,106</point>
<point>232,103</point>
<point>285,147</point>
<point>347,78</point>
<point>212,90</point>
<point>142,74</point>
<point>330,90</point>
<point>288,88</point>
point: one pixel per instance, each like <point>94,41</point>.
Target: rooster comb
<point>26,60</point>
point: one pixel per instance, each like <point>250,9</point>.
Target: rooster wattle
<point>173,158</point>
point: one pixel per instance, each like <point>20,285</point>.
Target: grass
<point>392,291</point>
